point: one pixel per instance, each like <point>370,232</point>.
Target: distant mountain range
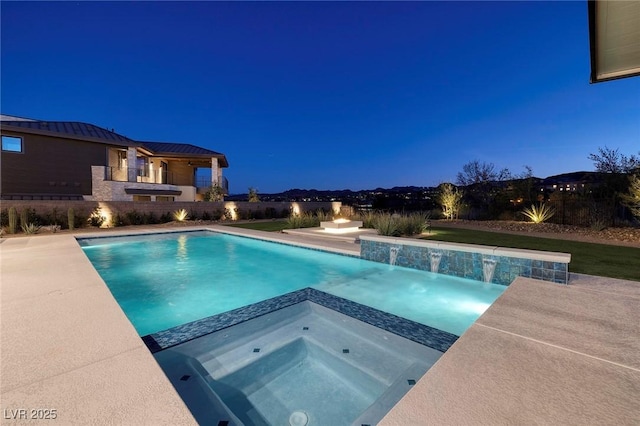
<point>298,194</point>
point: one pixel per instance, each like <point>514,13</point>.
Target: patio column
<point>132,164</point>
<point>216,172</point>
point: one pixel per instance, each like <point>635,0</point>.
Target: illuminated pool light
<point>341,226</point>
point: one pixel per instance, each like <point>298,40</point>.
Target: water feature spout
<point>488,268</point>
<point>435,257</point>
<point>393,254</point>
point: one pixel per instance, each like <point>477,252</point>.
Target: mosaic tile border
<point>465,263</point>
<point>420,333</point>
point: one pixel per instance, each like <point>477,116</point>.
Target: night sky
<point>326,95</point>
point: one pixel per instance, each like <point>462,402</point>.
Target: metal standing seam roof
<point>72,128</point>
<point>168,148</point>
<point>178,148</point>
<point>85,130</point>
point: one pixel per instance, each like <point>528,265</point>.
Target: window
<point>122,160</point>
<point>11,143</point>
<point>143,166</point>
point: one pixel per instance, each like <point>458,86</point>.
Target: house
<point>61,160</point>
<point>571,182</point>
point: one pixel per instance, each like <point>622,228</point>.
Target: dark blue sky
<point>326,95</point>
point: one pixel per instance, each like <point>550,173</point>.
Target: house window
<point>122,160</point>
<point>11,143</point>
<point>143,166</point>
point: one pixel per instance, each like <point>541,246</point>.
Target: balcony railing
<point>204,183</point>
<point>138,175</point>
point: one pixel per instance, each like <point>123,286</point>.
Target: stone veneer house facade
<point>60,160</point>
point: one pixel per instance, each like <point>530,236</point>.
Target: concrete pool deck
<point>542,353</point>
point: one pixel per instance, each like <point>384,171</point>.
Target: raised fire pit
<point>341,226</point>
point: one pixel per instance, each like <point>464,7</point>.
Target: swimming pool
<point>164,280</point>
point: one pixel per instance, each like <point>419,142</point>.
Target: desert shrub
<point>134,217</point>
<point>96,218</point>
<point>257,214</point>
<point>205,215</point>
<point>165,217</point>
<point>386,225</point>
<point>368,219</point>
<point>323,216</point>
<point>412,224</point>
<point>52,217</point>
<point>598,224</point>
<point>302,220</point>
<point>217,214</point>
<point>230,214</point>
<point>149,218</point>
<point>270,213</point>
<point>4,217</point>
<point>117,220</point>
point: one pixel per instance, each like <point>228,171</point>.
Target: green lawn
<point>586,258</point>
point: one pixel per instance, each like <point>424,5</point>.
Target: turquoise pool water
<point>164,280</point>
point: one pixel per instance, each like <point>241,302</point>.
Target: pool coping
<point>56,351</point>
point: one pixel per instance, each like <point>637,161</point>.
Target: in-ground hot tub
<point>301,365</point>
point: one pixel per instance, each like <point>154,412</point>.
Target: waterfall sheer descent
<point>393,254</point>
<point>435,257</point>
<point>488,269</point>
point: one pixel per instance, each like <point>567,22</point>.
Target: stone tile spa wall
<point>482,263</point>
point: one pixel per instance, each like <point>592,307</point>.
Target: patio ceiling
<point>614,38</point>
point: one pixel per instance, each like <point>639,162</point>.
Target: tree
<point>475,172</point>
<point>214,193</point>
<point>609,160</point>
<point>632,199</point>
<point>253,195</point>
<point>482,184</point>
<point>450,199</point>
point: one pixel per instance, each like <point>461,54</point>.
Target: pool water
<point>164,280</point>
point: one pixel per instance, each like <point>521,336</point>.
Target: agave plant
<point>180,215</point>
<point>540,213</point>
<point>30,228</point>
